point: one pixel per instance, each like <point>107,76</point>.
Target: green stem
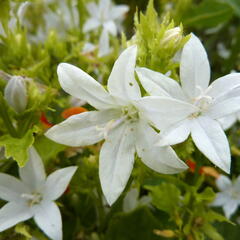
<point>6,118</point>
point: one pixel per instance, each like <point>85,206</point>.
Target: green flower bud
<point>15,93</point>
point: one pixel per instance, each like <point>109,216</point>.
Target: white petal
<point>221,87</point>
<point>12,214</point>
<point>80,85</point>
<point>33,174</point>
<point>110,27</point>
<point>82,129</point>
<point>210,139</point>
<point>92,9</point>
<point>163,112</point>
<point>223,183</point>
<point>157,84</point>
<point>160,159</point>
<point>11,188</point>
<point>228,121</point>
<point>116,161</point>
<point>104,48</point>
<point>131,200</point>
<point>48,218</point>
<point>57,182</point>
<point>122,83</point>
<point>230,208</point>
<point>118,11</point>
<point>220,200</point>
<point>194,67</point>
<point>224,108</point>
<point>91,24</point>
<point>175,134</point>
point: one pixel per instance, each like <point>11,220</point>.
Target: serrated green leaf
<point>17,148</point>
<point>165,196</point>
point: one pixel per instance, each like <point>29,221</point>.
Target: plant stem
<point>6,118</point>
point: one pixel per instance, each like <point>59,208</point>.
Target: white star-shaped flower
<point>117,120</point>
<point>171,103</point>
<point>33,196</point>
<point>229,195</point>
<point>106,16</point>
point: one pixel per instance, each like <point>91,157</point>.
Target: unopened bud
<point>165,233</point>
<point>172,34</point>
<point>15,93</point>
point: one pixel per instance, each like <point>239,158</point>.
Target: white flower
<point>193,107</point>
<point>33,196</point>
<point>106,16</point>
<point>229,195</point>
<point>117,120</point>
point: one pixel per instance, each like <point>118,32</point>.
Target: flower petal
<point>81,85</point>
<point>122,83</point>
<point>223,183</point>
<point>222,86</point>
<point>118,12</point>
<point>230,207</point>
<point>57,182</point>
<point>116,161</point>
<point>194,67</point>
<point>11,188</point>
<point>13,213</point>
<point>110,27</point>
<point>224,108</point>
<point>220,200</point>
<point>160,159</point>
<point>104,48</point>
<point>33,173</point>
<point>48,218</point>
<point>163,112</point>
<point>92,9</point>
<point>210,139</point>
<point>91,24</point>
<point>228,121</point>
<point>157,84</point>
<point>82,129</point>
<point>175,134</point>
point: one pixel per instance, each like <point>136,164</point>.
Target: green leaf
<point>135,225</point>
<point>17,148</point>
<point>209,13</point>
<point>207,195</point>
<point>4,12</point>
<point>211,232</point>
<point>235,4</point>
<point>165,197</point>
<point>47,148</point>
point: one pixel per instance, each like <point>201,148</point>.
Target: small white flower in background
<point>132,200</point>
<point>105,16</point>
<point>229,195</point>
<point>33,196</point>
<point>15,93</point>
<point>193,107</point>
<point>19,16</point>
<point>117,120</point>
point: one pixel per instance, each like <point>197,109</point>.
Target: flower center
<point>202,102</point>
<point>129,113</point>
<point>32,199</point>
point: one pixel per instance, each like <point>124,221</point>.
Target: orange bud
<point>210,171</point>
<point>72,111</point>
<point>191,165</point>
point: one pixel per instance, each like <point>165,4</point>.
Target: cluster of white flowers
<point>125,119</point>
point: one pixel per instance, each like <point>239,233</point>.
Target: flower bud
<point>174,33</point>
<point>15,93</point>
